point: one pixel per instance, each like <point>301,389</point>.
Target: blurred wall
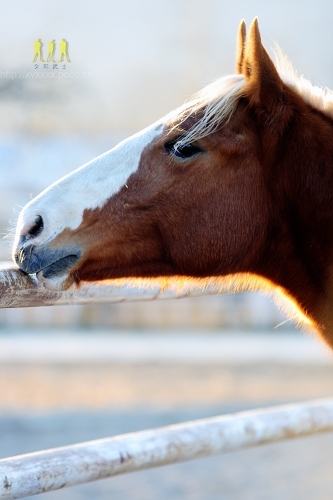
<point>232,312</point>
<point>136,60</point>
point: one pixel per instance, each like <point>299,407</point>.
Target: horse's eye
<point>184,151</point>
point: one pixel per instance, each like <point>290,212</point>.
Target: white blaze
<point>62,204</point>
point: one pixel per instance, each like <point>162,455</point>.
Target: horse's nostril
<point>37,228</point>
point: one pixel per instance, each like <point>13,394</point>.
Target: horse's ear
<point>263,83</point>
<point>241,39</point>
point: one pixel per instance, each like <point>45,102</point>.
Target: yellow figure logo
<point>38,46</point>
<point>38,51</point>
<point>64,50</point>
<point>51,49</point>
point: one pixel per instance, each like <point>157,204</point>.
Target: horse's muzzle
<point>33,259</point>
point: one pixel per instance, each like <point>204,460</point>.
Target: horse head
<point>224,185</point>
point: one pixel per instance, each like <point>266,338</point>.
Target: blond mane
<point>216,103</point>
<point>319,97</point>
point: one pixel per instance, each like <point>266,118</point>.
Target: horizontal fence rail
<point>57,468</point>
<point>18,289</point>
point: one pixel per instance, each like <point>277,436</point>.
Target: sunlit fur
<point>231,284</point>
<point>320,98</point>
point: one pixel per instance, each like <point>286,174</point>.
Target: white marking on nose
<point>62,204</point>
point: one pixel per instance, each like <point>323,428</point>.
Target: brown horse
<point>235,186</point>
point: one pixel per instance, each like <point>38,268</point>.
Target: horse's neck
<point>300,250</point>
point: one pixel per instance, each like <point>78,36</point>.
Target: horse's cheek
<point>243,220</point>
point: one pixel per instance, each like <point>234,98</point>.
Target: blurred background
<point>73,373</point>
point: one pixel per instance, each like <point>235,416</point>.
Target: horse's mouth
<point>59,267</point>
<point>49,263</point>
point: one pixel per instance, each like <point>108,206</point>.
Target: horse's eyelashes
<point>182,151</point>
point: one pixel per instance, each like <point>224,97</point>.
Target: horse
<point>234,187</point>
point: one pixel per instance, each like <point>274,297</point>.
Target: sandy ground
<point>87,387</point>
<point>70,371</point>
<point>57,403</point>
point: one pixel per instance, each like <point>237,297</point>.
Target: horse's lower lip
<point>51,262</point>
<point>59,267</point>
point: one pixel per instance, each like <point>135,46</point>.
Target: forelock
<point>211,107</point>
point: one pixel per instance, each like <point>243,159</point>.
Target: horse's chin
<point>56,283</point>
<point>53,268</point>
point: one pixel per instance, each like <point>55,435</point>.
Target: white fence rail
<point>18,289</point>
<point>57,468</point>
<point>211,308</point>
